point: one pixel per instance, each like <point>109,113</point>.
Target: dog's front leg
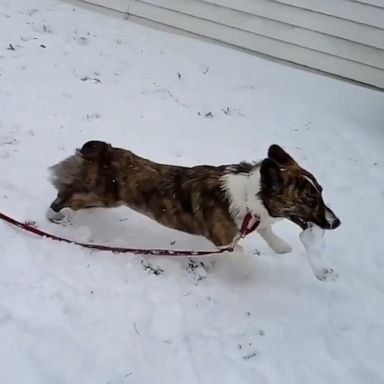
<point>53,213</point>
<point>277,244</point>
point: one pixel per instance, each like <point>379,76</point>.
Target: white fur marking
<point>311,181</point>
<point>330,217</point>
<point>242,191</point>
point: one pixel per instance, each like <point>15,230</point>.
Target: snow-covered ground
<point>70,315</point>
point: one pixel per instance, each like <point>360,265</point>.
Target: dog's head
<point>291,192</point>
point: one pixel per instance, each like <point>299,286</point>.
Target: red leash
<point>156,252</point>
<point>245,228</point>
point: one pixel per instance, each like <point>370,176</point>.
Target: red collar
<point>247,227</point>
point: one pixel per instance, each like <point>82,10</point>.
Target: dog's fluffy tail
<point>71,170</point>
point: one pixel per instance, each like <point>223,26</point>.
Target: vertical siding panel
<point>323,35</point>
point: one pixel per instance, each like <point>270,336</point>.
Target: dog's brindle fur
<point>197,200</point>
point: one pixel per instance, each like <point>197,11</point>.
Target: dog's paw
<point>326,274</point>
<point>280,246</point>
<point>56,217</point>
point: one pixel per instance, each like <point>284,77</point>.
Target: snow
<point>313,241</point>
<point>71,315</point>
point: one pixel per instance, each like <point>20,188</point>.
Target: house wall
<point>340,37</point>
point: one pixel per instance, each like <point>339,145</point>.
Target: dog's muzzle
<point>332,220</point>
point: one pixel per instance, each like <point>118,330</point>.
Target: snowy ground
<point>69,315</point>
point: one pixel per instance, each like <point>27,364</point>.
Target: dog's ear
<point>271,177</point>
<point>278,154</point>
<point>96,151</point>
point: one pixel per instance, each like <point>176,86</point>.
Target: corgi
<point>205,200</point>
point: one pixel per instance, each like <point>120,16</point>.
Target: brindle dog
<point>205,200</point>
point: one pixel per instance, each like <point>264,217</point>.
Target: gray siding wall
<point>340,37</point>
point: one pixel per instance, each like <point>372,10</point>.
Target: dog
<point>205,200</point>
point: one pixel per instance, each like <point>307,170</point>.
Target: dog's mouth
<point>302,223</point>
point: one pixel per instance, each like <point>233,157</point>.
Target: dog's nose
<point>336,223</point>
<point>332,220</point>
